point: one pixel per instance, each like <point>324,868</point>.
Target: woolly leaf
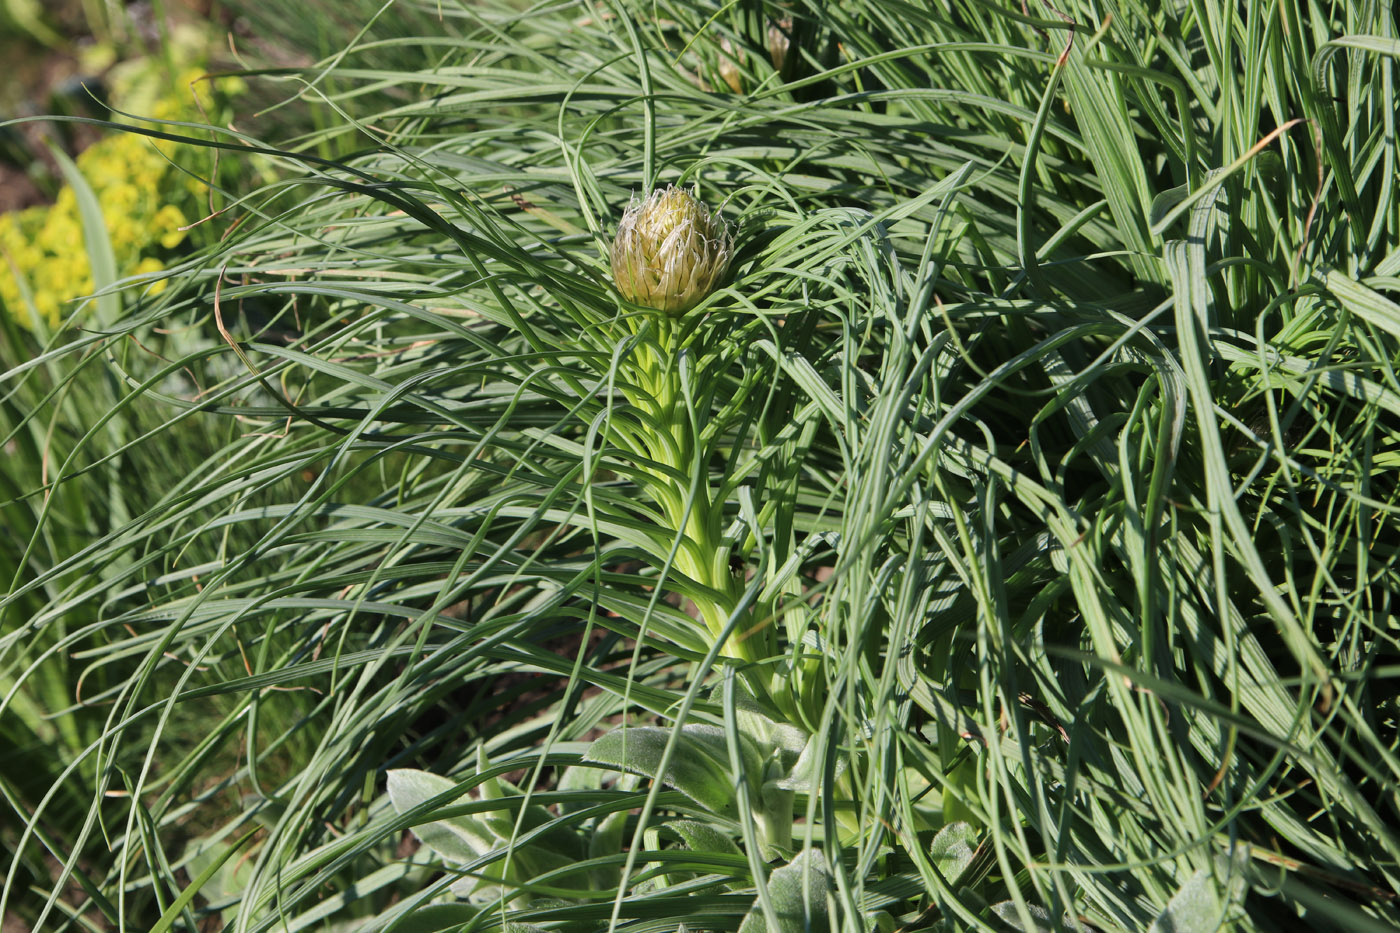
<point>703,837</point>
<point>698,766</point>
<point>458,839</point>
<point>1195,908</point>
<point>952,850</point>
<point>798,892</point>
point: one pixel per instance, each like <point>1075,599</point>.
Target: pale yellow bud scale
<point>670,251</point>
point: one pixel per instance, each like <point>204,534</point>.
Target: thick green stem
<point>683,493</point>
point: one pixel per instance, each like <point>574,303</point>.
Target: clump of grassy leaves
<point>1049,423</point>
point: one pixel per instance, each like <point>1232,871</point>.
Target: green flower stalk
<point>670,252</point>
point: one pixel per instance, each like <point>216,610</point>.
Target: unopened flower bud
<point>779,40</point>
<point>670,251</point>
<point>730,56</point>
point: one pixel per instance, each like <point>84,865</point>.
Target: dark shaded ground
<point>16,190</point>
<point>47,75</point>
<point>34,72</point>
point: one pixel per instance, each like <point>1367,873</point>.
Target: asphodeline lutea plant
<point>670,252</point>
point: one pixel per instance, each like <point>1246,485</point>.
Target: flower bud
<point>730,57</point>
<point>779,39</point>
<point>670,251</point>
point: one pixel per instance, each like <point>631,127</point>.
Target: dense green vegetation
<point>1010,542</point>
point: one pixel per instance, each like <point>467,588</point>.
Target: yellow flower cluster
<point>42,254</point>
